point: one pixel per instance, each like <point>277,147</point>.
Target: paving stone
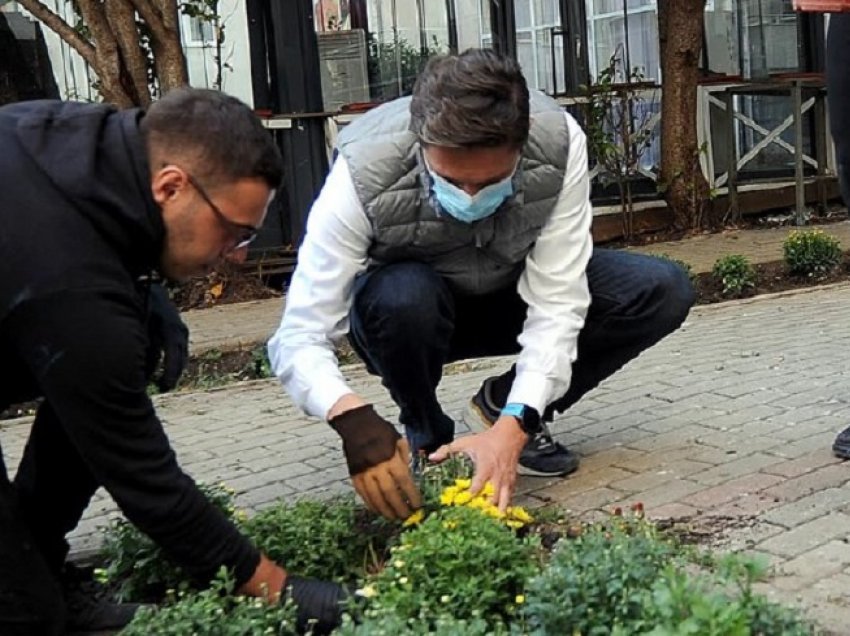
<point>808,535</point>
<point>833,476</point>
<point>804,464</point>
<point>736,468</point>
<point>580,482</point>
<point>668,492</point>
<point>748,484</point>
<point>806,508</point>
<point>674,510</point>
<point>808,568</point>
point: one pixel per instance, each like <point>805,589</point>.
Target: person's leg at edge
<point>838,94</point>
<point>53,487</point>
<point>31,601</point>
<point>401,323</point>
<point>636,301</point>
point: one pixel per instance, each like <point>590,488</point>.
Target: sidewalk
<point>247,324</point>
<point>725,426</point>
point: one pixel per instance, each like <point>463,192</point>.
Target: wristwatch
<point>528,417</point>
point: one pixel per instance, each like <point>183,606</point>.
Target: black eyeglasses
<point>244,233</point>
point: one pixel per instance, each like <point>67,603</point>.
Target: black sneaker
<point>841,445</point>
<point>542,456</point>
<point>87,606</point>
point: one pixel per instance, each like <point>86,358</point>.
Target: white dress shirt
<point>335,250</point>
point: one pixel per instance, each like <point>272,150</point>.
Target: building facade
<point>361,52</point>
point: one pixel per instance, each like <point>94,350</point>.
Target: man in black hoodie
<point>92,201</point>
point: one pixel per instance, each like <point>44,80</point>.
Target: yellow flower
<point>414,519</point>
<point>520,514</point>
<point>520,599</point>
<point>488,490</point>
<point>448,496</point>
<point>367,591</point>
<point>463,484</point>
<point>449,525</point>
<point>463,498</point>
<point>512,523</point>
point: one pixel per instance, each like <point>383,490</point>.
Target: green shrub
<point>388,625</point>
<point>811,252</point>
<point>599,580</point>
<point>735,273</point>
<point>623,578</point>
<point>684,265</point>
<point>334,539</point>
<point>213,612</point>
<point>457,563</point>
<point>719,603</point>
<point>137,567</point>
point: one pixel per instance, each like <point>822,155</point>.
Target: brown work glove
<point>378,462</point>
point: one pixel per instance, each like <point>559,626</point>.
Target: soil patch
<point>770,278</point>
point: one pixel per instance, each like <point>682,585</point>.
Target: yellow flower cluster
<point>460,495</point>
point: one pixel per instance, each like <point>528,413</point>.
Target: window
<point>751,38</point>
<point>538,43</point>
<point>627,30</point>
<point>197,32</point>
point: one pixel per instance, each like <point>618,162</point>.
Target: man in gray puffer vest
<point>456,224</point>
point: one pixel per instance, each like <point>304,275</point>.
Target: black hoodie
<point>78,226</point>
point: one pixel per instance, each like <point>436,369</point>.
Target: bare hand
<point>495,453</point>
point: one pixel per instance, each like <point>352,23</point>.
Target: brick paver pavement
<point>728,424</point>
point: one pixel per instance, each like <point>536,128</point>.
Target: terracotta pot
<point>826,6</point>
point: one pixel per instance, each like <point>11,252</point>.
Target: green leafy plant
<point>458,562</point>
<point>735,273</point>
<point>598,580</point>
<point>215,611</point>
<point>390,625</point>
<point>334,539</point>
<point>617,125</point>
<point>137,567</point>
<point>811,252</point>
<point>716,603</point>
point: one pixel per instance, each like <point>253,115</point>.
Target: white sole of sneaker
<point>530,472</point>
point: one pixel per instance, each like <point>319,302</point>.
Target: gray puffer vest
<point>390,179</point>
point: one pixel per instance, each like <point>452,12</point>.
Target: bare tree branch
<point>64,30</point>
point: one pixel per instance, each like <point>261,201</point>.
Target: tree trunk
<point>122,18</point>
<point>163,19</point>
<point>680,26</point>
<point>108,65</point>
<point>112,47</point>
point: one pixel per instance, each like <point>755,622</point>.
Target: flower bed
<point>461,567</point>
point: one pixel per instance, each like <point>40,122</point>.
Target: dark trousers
<point>31,601</point>
<point>406,324</point>
<point>838,95</point>
<point>51,489</point>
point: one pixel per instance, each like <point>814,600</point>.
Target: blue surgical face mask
<point>469,208</point>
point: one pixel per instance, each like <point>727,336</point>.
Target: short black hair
<point>219,136</point>
<point>477,98</point>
